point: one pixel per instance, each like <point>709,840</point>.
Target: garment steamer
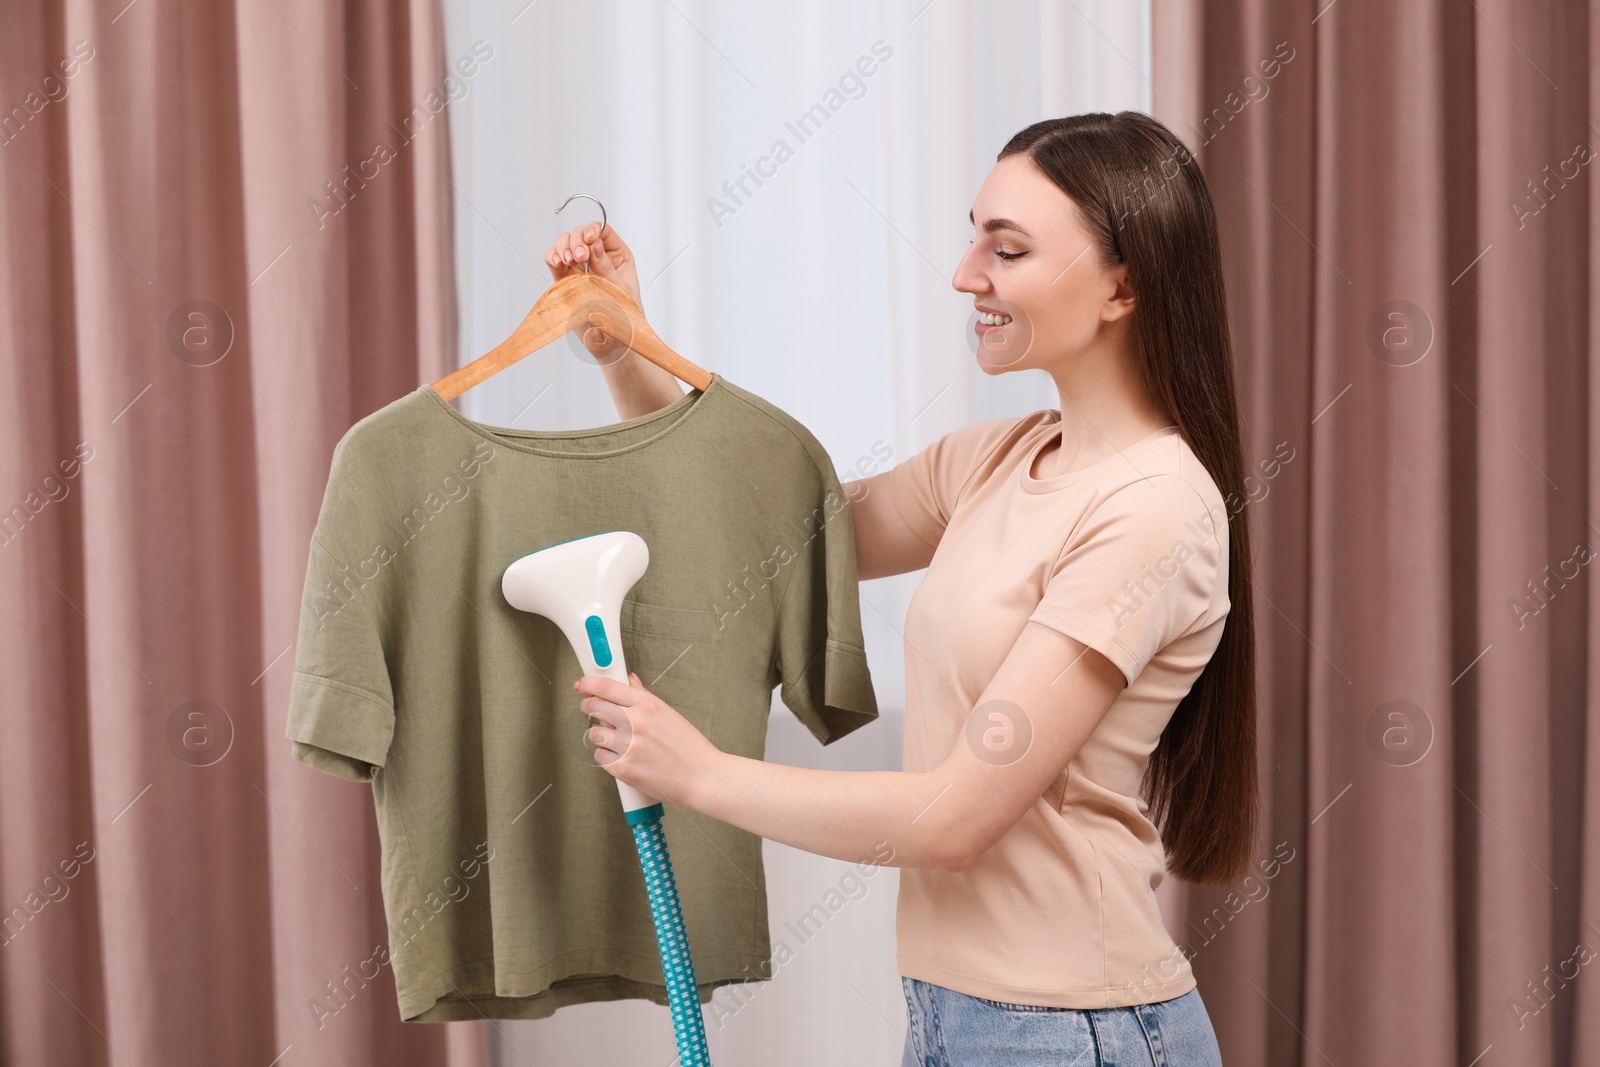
<point>579,585</point>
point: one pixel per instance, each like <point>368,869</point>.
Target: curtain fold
<point>1409,235</point>
<point>227,239</point>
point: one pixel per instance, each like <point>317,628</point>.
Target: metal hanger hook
<point>602,233</point>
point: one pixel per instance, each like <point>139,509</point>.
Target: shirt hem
<point>341,719</point>
<point>841,700</point>
<point>927,526</point>
<point>1077,997</point>
<point>1088,634</point>
<point>602,976</point>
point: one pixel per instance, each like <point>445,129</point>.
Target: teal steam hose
<point>676,963</point>
<point>580,585</point>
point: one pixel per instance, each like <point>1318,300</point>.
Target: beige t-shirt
<point>1129,556</point>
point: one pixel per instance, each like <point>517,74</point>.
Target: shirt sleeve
<point>1139,572</point>
<point>926,486</point>
<point>341,708</point>
<point>821,655</point>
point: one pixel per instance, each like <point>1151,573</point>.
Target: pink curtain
<point>211,270</point>
<point>1406,201</point>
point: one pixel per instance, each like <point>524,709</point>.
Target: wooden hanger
<point>576,302</point>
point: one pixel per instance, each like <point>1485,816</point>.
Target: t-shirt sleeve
<point>926,486</point>
<point>341,708</point>
<point>1138,573</point>
<point>821,656</point>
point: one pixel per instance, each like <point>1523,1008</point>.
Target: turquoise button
<point>597,640</point>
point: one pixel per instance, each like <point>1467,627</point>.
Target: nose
<point>969,277</point>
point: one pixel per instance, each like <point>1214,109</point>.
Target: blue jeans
<point>951,1029</point>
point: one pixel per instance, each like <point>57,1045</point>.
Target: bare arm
<point>637,386</point>
<point>1035,714</point>
<point>885,544</point>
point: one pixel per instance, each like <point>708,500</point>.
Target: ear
<point>1120,303</point>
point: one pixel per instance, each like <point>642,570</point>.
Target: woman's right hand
<point>606,255</point>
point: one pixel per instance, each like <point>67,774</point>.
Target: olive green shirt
<point>511,881</point>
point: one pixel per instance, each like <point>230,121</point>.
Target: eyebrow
<point>991,225</point>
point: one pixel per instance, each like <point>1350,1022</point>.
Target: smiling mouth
<point>989,318</point>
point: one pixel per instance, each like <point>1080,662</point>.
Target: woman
<point>1080,670</point>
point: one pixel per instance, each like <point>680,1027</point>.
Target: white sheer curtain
<point>795,181</point>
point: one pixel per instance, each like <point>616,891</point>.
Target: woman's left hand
<point>643,741</point>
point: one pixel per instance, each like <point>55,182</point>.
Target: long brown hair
<point>1140,192</point>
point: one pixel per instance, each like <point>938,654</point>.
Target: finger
<point>601,259</point>
<point>599,707</point>
<point>563,247</point>
<point>613,245</point>
<point>609,740</point>
<point>598,716</point>
<point>558,268</point>
<point>598,685</point>
<point>599,256</point>
<point>577,246</point>
<point>614,713</point>
<point>580,245</point>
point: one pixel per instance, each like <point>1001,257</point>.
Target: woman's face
<point>1032,260</point>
